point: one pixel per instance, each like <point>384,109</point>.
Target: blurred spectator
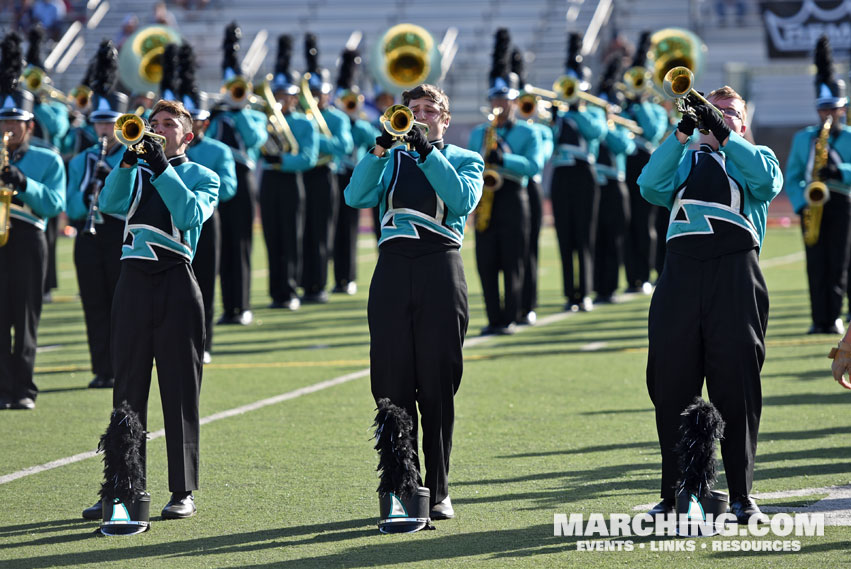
<point>51,14</point>
<point>189,4</point>
<point>722,7</point>
<point>162,16</point>
<point>128,26</point>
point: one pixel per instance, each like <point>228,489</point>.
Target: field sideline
<point>554,420</point>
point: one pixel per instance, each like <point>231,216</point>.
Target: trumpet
<point>237,92</point>
<point>37,82</point>
<point>81,95</point>
<point>350,101</point>
<point>677,84</point>
<point>131,130</point>
<point>6,192</point>
<point>398,120</point>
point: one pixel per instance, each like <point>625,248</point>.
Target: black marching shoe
<point>94,512</point>
<point>666,506</point>
<point>102,382</point>
<point>442,510</point>
<point>181,505</point>
<point>26,403</point>
<point>744,507</point>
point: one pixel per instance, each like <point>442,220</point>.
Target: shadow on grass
<point>39,527</point>
<point>63,389</point>
<point>584,450</point>
<point>806,399</point>
<point>803,435</point>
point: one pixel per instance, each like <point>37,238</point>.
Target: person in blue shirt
<point>158,312</point>
<point>709,312</point>
<point>502,233</point>
<point>38,178</point>
<point>417,308</point>
<point>320,182</point>
<point>97,255</point>
<point>282,188</point>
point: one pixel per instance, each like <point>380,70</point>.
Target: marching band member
<point>320,182</point>
<point>529,296</point>
<point>613,213</point>
<point>574,192</point>
<point>822,154</point>
<point>166,199</point>
<point>709,312</point>
<point>417,307</point>
<point>282,188</point>
<point>97,253</point>
<point>38,177</point>
<point>244,131</point>
<point>513,150</point>
<point>218,157</point>
<point>363,135</point>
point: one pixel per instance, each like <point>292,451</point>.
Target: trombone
<point>131,130</point>
<point>566,90</point>
<point>311,109</point>
<point>37,82</point>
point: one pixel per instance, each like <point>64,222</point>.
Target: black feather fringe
<point>396,450</point>
<point>518,65</point>
<point>349,64</point>
<point>574,52</point>
<point>824,61</point>
<point>701,427</point>
<point>123,467</point>
<point>105,71</point>
<point>499,61</point>
<point>187,66</point>
<point>11,62</point>
<point>170,63</point>
<point>230,47</point>
<point>285,54</point>
<point>611,74</point>
<point>641,50</point>
<point>311,53</point>
<point>35,39</point>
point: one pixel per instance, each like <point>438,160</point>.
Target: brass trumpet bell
<point>131,129</point>
<point>81,95</point>
<point>404,57</point>
<point>398,120</point>
<point>237,92</point>
<point>636,79</point>
<point>37,82</point>
<point>678,84</point>
<point>140,58</point>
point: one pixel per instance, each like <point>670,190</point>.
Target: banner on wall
<point>792,27</point>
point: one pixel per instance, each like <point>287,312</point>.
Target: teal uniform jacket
<point>45,194</point>
<point>190,193</point>
<point>250,127</point>
<point>307,135</point>
<point>799,166</point>
<point>653,120</point>
<point>547,145</point>
<point>455,175</point>
<point>217,157</point>
<point>363,136</point>
<point>52,119</point>
<point>340,144</point>
<point>526,158</point>
<point>754,168</point>
<point>79,177</point>
<point>592,126</point>
<point>620,143</point>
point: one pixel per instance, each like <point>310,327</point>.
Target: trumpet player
<point>166,199</point>
<point>709,312</point>
<point>417,309</point>
<point>282,189</point>
<point>819,164</point>
<point>37,179</point>
<point>511,149</point>
<point>97,247</point>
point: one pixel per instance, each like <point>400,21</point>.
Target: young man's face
<point>427,111</point>
<point>200,127</point>
<point>506,107</point>
<point>837,114</point>
<point>106,129</point>
<point>169,126</point>
<point>20,131</point>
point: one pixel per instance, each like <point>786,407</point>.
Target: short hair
<point>727,92</point>
<point>176,109</point>
<point>427,91</point>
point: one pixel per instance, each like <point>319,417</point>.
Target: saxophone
<point>6,192</point>
<point>492,178</point>
<point>816,192</point>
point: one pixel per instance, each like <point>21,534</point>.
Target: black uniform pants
<point>640,242</point>
<point>418,318</point>
<point>23,265</point>
<point>708,320</point>
<point>282,214</point>
<point>320,189</point>
<point>205,265</point>
<point>663,217</point>
<point>345,237</point>
<point>502,248</point>
<point>828,260</point>
<point>237,215</point>
<point>611,229</point>
<point>529,298</point>
<point>51,280</point>
<point>575,199</point>
<point>98,262</point>
<point>159,318</point>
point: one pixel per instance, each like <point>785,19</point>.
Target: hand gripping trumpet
<point>816,192</point>
<point>6,192</point>
<point>677,84</point>
<point>131,130</point>
<point>398,120</point>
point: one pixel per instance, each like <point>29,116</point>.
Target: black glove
<point>130,157</point>
<point>712,121</point>
<point>384,140</point>
<point>12,176</point>
<point>687,124</point>
<point>495,157</point>
<point>554,112</point>
<point>155,156</point>
<point>830,172</point>
<point>102,171</point>
<point>273,159</point>
<point>418,140</point>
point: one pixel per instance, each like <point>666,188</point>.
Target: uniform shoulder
<point>456,152</point>
<point>41,153</point>
<point>216,145</point>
